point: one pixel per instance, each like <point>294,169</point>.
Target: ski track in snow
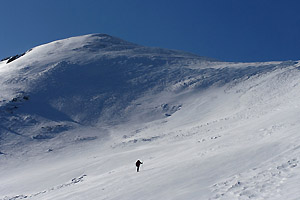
<point>53,189</point>
<point>259,183</point>
<point>95,104</point>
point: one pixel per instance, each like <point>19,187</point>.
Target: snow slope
<point>77,113</point>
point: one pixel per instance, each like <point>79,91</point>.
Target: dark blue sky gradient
<point>229,30</point>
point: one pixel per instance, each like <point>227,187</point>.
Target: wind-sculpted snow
<point>53,189</point>
<point>95,104</point>
<point>95,79</point>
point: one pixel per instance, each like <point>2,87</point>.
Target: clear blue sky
<point>229,30</point>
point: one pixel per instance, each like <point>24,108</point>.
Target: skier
<point>137,164</point>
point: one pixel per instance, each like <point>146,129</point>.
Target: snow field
<point>204,129</point>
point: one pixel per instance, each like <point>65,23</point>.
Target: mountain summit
<point>77,113</point>
<point>89,79</point>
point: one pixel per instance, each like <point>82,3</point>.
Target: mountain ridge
<point>77,113</point>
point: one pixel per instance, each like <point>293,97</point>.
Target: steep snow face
<point>91,66</point>
<point>77,113</point>
<point>89,79</point>
<point>93,80</point>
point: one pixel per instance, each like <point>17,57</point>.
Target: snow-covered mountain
<point>76,114</point>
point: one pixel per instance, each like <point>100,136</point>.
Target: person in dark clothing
<point>137,164</point>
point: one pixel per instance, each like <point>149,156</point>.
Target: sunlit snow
<point>76,114</point>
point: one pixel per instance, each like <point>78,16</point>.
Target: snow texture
<point>76,114</point>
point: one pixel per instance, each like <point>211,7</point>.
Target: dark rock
<point>5,58</point>
<point>12,58</point>
<point>42,137</point>
<point>26,98</point>
<point>15,57</point>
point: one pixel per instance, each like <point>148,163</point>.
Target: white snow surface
<point>76,114</point>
